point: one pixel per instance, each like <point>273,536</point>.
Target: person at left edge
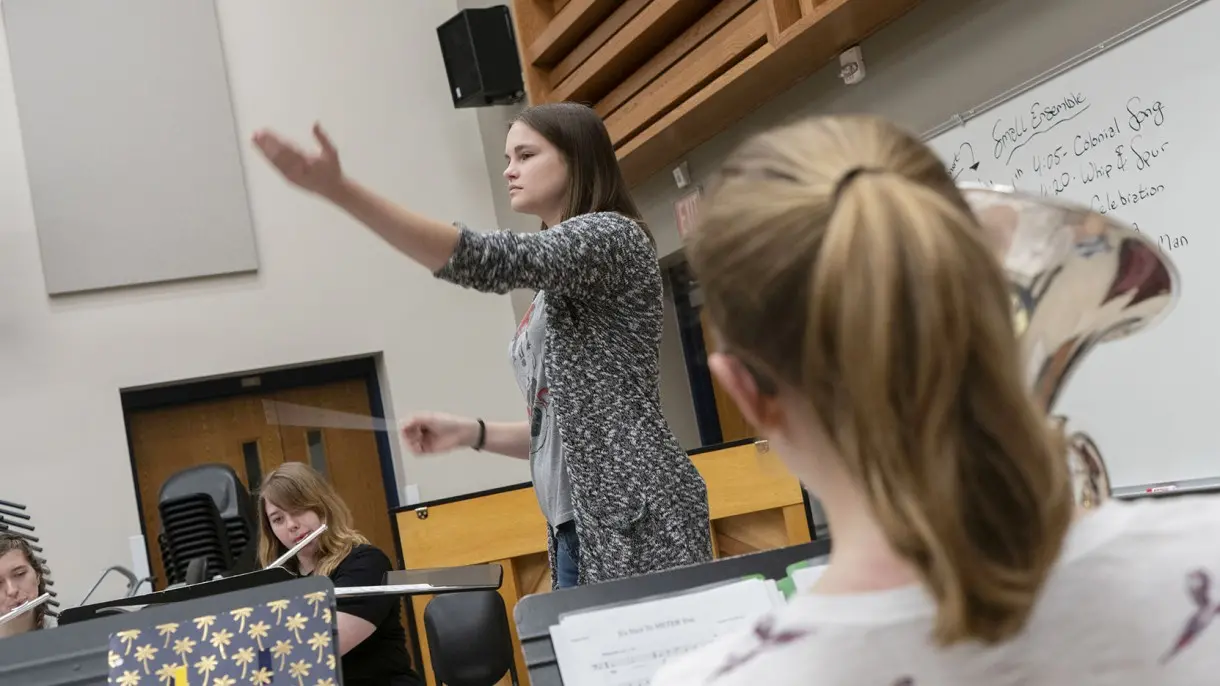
<point>293,501</point>
<point>22,579</point>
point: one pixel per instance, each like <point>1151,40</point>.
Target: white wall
<point>371,72</point>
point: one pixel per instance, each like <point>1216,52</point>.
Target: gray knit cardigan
<point>640,505</point>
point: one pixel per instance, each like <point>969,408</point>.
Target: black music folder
<point>280,633</point>
<point>226,584</point>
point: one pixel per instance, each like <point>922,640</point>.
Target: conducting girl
<point>620,495</point>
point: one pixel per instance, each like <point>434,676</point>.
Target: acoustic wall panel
<point>130,141</point>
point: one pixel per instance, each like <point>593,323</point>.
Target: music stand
<point>536,614</point>
<point>435,581</point>
<point>78,655</point>
<point>226,584</point>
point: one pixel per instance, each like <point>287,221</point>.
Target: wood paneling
<point>443,535</point>
<point>670,74</point>
<point>755,505</point>
<point>648,32</point>
<point>530,18</point>
<point>167,440</point>
<point>733,424</point>
<point>600,35</point>
<point>724,48</point>
<point>353,462</point>
<point>718,103</point>
<point>708,24</point>
<point>574,21</point>
<point>742,480</point>
<point>782,14</point>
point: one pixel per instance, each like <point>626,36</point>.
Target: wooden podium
<point>756,504</point>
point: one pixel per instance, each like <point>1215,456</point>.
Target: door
<point>235,432</point>
<point>348,458</point>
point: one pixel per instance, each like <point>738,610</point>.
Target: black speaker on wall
<point>480,54</point>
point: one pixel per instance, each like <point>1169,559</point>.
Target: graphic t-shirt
<point>548,469</point>
<point>1130,603</point>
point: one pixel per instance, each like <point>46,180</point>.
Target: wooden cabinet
<point>667,75</point>
<point>755,504</point>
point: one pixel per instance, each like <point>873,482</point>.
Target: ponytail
<point>912,359</point>
<point>838,258</point>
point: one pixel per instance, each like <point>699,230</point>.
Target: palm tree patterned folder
<point>288,642</point>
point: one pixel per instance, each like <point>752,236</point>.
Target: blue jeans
<point>567,555</point>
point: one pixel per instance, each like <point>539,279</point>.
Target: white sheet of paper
<point>626,645</point>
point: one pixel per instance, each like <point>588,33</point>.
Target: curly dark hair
<point>10,542</point>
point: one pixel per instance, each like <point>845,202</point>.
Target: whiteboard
<point>1134,133</point>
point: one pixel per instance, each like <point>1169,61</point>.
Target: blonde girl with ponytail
<point>865,328</point>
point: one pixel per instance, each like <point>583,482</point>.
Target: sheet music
<point>626,645</point>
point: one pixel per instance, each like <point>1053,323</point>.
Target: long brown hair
<point>296,487</point>
<point>838,258</point>
<point>595,180</point>
<point>10,542</point>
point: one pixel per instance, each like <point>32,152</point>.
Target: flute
<point>296,548</point>
<point>24,608</point>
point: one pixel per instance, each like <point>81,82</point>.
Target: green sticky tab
<point>786,586</point>
<point>798,565</point>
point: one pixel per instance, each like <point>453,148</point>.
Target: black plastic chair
<point>197,571</point>
<point>469,639</point>
<point>206,512</point>
<point>194,529</point>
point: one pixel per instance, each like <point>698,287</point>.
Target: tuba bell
<point>1078,278</point>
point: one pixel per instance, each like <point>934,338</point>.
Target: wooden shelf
<point>668,75</point>
<point>754,504</point>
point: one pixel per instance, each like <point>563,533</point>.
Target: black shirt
<point>382,658</point>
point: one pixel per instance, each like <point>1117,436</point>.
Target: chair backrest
<point>468,638</point>
<point>217,480</point>
<point>197,571</point>
<point>193,529</point>
<point>221,484</point>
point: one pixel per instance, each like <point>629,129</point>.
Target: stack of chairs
<point>14,519</point>
<point>168,561</point>
<point>193,529</point>
<point>205,514</point>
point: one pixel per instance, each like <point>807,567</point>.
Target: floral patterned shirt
<point>1129,603</point>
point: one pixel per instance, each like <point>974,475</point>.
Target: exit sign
<point>686,211</point>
